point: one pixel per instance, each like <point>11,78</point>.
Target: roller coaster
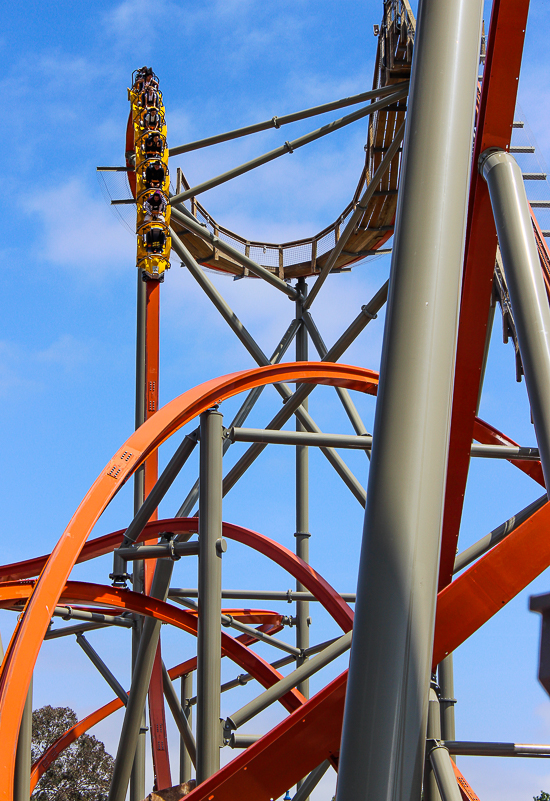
<point>463,238</point>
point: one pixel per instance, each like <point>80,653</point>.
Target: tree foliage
<point>542,797</point>
<point>82,772</point>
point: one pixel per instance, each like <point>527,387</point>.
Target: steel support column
<point>302,494</point>
<point>384,729</point>
<point>22,777</point>
<point>210,596</point>
<point>525,285</point>
<point>186,764</point>
<point>137,778</point>
<point>447,700</point>
<point>430,789</point>
<point>444,773</point>
<point>143,668</point>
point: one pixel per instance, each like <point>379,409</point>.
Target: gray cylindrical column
<point>384,730</point>
<point>444,774</point>
<point>22,776</point>
<point>431,791</point>
<point>210,596</point>
<point>302,495</point>
<point>186,766</point>
<point>141,677</point>
<point>137,778</point>
<point>447,700</point>
<point>525,285</point>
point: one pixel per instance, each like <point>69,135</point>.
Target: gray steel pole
<point>342,393</point>
<point>525,286</point>
<point>430,789</point>
<point>359,211</point>
<point>137,779</point>
<point>289,147</point>
<point>485,543</point>
<point>276,691</point>
<point>302,533</point>
<point>256,352</point>
<point>245,409</point>
<point>210,596</point>
<point>96,660</point>
<point>180,718</point>
<point>367,314</point>
<point>141,677</point>
<point>444,773</point>
<point>161,487</point>
<point>22,775</point>
<point>447,700</point>
<point>472,748</point>
<point>311,781</point>
<point>220,244</point>
<point>258,595</point>
<point>277,122</point>
<point>186,763</point>
<point>384,729</point>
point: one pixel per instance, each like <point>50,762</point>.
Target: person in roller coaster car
<point>153,145</point>
<point>145,78</point>
<point>154,207</point>
<point>150,97</point>
<point>154,175</point>
<point>140,79</point>
<point>155,239</point>
<point>151,119</point>
<point>150,80</point>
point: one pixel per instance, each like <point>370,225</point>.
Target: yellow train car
<point>152,176</point>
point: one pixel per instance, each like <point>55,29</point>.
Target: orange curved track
<point>25,644</point>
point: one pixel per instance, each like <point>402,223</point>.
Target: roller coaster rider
<point>153,146</point>
<point>150,98</point>
<point>154,175</point>
<point>151,119</point>
<point>154,207</point>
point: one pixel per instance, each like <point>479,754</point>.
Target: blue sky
<point>68,335</point>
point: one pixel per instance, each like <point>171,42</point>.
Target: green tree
<point>542,797</point>
<point>82,772</point>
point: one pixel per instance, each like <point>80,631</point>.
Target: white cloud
<point>80,233</point>
<point>66,352</point>
<point>10,373</point>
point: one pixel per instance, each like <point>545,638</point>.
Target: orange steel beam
<point>473,598</point>
<point>494,129</point>
<point>465,790</point>
<point>32,624</point>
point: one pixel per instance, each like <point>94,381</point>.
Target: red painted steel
<point>155,697</point>
<point>157,726</point>
<point>285,755</point>
<point>42,764</point>
<point>494,129</point>
<point>129,148</point>
<point>77,591</point>
<point>489,435</point>
<point>23,648</point>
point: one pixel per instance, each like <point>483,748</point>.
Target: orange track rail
<point>25,644</point>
